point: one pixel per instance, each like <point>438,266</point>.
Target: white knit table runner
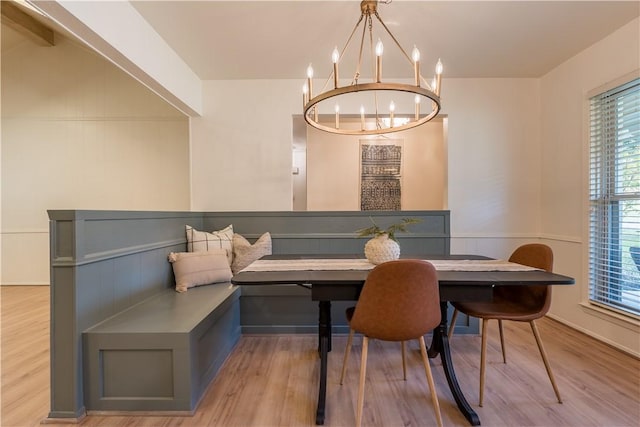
<point>362,264</point>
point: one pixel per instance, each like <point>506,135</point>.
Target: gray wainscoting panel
<point>309,232</point>
<point>117,380</point>
<point>288,308</point>
<point>102,262</point>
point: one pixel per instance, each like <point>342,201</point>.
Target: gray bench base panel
<point>161,355</point>
<point>285,309</point>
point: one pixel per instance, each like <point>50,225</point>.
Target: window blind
<point>614,185</point>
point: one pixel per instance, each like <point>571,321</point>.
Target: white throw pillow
<point>201,241</point>
<point>199,268</point>
<point>244,253</point>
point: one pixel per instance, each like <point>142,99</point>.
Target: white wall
<point>244,141</point>
<point>333,168</point>
<point>241,148</point>
<point>494,158</point>
<point>565,161</point>
<point>78,133</point>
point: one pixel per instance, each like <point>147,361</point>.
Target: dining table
<point>341,278</point>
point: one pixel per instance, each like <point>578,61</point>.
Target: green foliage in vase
<point>375,230</point>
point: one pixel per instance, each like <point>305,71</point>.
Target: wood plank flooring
<point>272,380</point>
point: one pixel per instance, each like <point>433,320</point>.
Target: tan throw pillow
<point>201,241</point>
<point>244,253</point>
<point>199,268</point>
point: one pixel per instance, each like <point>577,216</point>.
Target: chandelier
<point>394,106</point>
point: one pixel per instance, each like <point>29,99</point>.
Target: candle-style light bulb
<point>439,70</point>
<point>416,100</point>
<point>310,80</point>
<point>337,109</point>
<point>335,56</point>
<point>392,109</point>
<point>379,50</point>
<point>362,117</point>
<point>305,94</point>
<point>415,55</point>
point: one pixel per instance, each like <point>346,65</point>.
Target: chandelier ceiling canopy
<point>394,106</point>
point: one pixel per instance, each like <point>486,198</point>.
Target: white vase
<point>381,249</point>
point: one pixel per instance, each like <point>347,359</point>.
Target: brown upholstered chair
<point>517,303</point>
<point>399,301</point>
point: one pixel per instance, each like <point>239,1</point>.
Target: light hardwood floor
<point>272,380</point>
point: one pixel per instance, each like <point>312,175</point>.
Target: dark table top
<point>453,284</point>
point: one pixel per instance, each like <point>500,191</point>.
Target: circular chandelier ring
<point>371,87</point>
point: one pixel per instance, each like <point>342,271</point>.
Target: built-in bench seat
<point>124,341</point>
<point>161,354</point>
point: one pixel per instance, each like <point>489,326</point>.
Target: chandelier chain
<point>393,38</point>
<point>344,48</point>
<point>373,72</point>
<point>357,74</point>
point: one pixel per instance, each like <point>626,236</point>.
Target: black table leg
<point>324,323</point>
<point>324,343</point>
<point>440,345</point>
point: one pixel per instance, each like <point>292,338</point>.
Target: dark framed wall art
<point>381,174</point>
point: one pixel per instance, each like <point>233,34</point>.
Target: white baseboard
<point>25,284</point>
<point>594,336</point>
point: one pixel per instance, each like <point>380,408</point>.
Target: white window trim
<point>624,319</point>
<point>618,317</point>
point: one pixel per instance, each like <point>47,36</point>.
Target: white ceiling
<point>278,39</point>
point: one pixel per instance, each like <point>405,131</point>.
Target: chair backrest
<point>536,297</point>
<point>400,300</point>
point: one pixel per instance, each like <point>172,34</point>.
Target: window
<point>614,254</point>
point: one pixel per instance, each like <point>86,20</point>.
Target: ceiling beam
<point>26,24</point>
<point>116,30</point>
